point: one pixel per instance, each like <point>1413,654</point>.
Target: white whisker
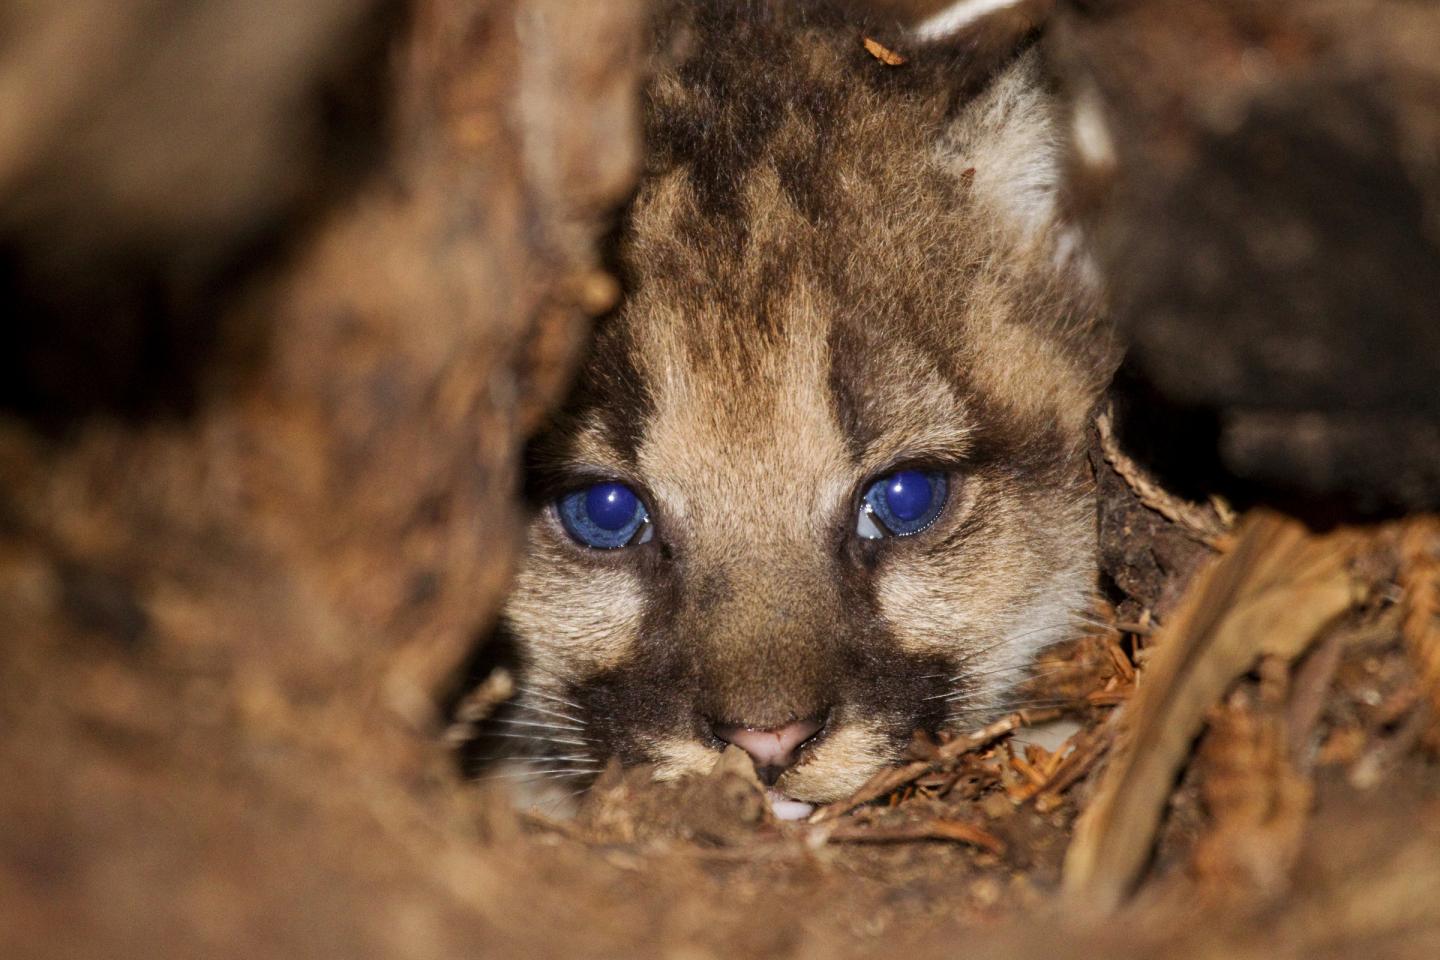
<point>1026,672</point>
<point>542,774</point>
<point>538,724</point>
<point>538,738</point>
<point>522,705</point>
<point>537,692</point>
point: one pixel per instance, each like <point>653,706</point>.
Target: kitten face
<point>828,286</point>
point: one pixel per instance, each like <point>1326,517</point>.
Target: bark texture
<point>1263,186</point>
<point>287,286</point>
<point>231,597</point>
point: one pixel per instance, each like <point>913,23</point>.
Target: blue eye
<point>901,503</point>
<point>604,515</point>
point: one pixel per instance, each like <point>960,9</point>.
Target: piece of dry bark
<point>1271,594</point>
<point>1420,581</point>
<point>882,53</point>
<point>1205,524</point>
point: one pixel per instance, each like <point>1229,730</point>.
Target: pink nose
<point>772,750</point>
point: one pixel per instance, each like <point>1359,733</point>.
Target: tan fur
<point>780,348</point>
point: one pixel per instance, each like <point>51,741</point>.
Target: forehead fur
<point>801,218</point>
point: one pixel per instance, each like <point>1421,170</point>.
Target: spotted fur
<point>833,266</point>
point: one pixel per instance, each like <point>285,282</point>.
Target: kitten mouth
<point>785,808</point>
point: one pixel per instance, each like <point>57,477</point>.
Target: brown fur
<point>833,267</point>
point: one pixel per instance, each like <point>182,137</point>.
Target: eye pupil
<point>606,515</point>
<point>908,494</point>
<point>610,506</point>
<point>902,503</point>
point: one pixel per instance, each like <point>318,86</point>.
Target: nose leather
<point>773,750</point>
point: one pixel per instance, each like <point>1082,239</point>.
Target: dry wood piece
<point>1089,747</point>
<point>1309,689</point>
<point>479,704</point>
<point>1206,526</point>
<point>1276,590</point>
<point>1420,580</point>
<point>882,53</point>
<point>241,596</point>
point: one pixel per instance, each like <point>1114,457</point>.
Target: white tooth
<point>866,527</point>
<point>786,809</point>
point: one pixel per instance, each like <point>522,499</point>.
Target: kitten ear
<point>994,27</point>
<point>1006,140</point>
<point>1007,136</point>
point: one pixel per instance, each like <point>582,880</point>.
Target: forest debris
<point>1257,798</point>
<point>893,778</point>
<point>936,829</point>
<point>1274,592</point>
<point>1310,689</point>
<point>1089,747</point>
<point>1122,663</point>
<point>882,53</point>
<point>1384,756</point>
<point>720,808</point>
<point>1206,526</point>
<point>1420,580</point>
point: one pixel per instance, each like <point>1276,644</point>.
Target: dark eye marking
<point>606,515</point>
<point>901,503</point>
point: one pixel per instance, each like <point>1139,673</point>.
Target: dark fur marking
<point>847,394</point>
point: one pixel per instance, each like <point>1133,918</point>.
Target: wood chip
<point>1122,663</point>
<point>1089,747</point>
<point>882,53</point>
<point>478,704</point>
<point>1273,593</point>
<point>1309,691</point>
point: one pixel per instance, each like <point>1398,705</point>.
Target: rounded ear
<point>983,24</point>
<point>1011,133</point>
<point>1010,136</point>
<point>974,38</point>
<point>1008,133</point>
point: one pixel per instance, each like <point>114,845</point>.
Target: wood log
<point>227,619</point>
